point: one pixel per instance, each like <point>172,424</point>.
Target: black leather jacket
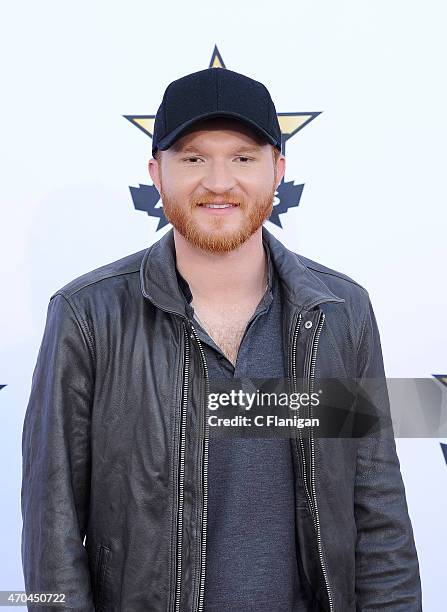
<point>112,447</point>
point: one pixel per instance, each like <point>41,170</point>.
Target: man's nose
<point>218,177</point>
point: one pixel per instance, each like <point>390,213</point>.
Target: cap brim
<point>179,131</point>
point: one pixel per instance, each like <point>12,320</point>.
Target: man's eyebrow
<point>248,149</point>
<point>186,149</point>
<point>242,149</point>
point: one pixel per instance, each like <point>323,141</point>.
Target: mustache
<point>228,197</point>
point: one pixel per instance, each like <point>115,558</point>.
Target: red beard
<point>253,216</point>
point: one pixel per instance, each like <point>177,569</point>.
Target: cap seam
<point>165,109</point>
<point>268,112</point>
<point>217,88</point>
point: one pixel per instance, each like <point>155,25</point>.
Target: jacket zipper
<point>205,480</point>
<point>294,376</point>
<point>312,446</point>
<point>182,474</point>
<point>312,497</point>
<point>181,477</point>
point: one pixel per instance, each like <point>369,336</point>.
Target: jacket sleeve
<point>56,462</point>
<point>387,568</point>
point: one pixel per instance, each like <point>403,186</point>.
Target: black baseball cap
<point>214,92</point>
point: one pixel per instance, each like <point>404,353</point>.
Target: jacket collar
<point>159,283</point>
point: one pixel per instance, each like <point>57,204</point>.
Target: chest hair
<point>226,326</point>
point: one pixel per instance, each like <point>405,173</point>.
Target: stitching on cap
<point>217,88</point>
<point>268,103</point>
<point>165,127</point>
<point>268,108</point>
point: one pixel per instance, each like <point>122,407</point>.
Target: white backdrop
<point>374,199</point>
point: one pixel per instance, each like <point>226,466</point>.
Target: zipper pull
<point>190,328</point>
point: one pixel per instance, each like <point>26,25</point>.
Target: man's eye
<point>193,158</point>
<point>243,158</point>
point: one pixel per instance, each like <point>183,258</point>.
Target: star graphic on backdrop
<point>442,378</point>
<point>288,195</point>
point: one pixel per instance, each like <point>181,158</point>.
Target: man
<point>128,502</point>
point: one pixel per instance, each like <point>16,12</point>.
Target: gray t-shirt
<point>251,562</point>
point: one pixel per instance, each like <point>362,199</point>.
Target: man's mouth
<point>220,205</point>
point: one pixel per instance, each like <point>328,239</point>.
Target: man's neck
<point>223,278</point>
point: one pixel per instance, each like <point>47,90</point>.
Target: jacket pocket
<point>101,577</point>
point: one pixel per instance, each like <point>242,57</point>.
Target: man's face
<point>221,162</point>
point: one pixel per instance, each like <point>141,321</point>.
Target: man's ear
<point>280,169</point>
<point>154,171</point>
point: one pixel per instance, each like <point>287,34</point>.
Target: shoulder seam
<point>94,282</point>
<point>363,328</point>
<point>84,328</point>
<point>340,275</point>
